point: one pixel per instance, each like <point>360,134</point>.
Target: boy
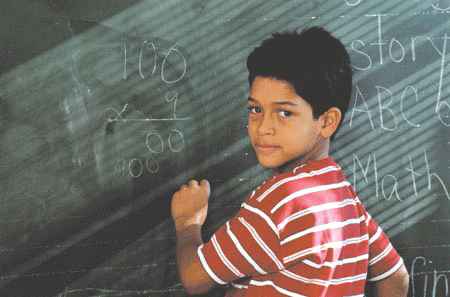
<point>303,232</point>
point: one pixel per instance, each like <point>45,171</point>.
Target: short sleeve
<point>383,258</point>
<point>248,244</point>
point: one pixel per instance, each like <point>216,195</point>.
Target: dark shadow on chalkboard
<point>58,272</point>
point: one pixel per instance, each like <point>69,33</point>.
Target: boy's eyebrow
<point>277,103</point>
<point>286,103</point>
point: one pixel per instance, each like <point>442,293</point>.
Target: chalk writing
<point>397,53</point>
<point>140,58</point>
<point>385,101</point>
<point>352,3</point>
<point>389,182</point>
<point>439,282</point>
<point>172,66</point>
<point>159,140</point>
<point>160,143</point>
<point>125,61</point>
<point>134,163</point>
<point>436,8</point>
<point>173,98</point>
<point>365,109</point>
<point>407,90</point>
<point>442,118</point>
<point>155,144</point>
<point>383,108</point>
<point>394,189</point>
<point>136,166</point>
<point>172,53</point>
<point>174,134</point>
<point>356,161</point>
<point>163,77</point>
<point>152,167</point>
<point>170,97</point>
<point>119,116</point>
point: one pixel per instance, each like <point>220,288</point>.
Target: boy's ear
<point>330,121</point>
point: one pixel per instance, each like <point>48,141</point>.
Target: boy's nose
<point>266,126</point>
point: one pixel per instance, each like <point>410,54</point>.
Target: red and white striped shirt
<point>302,233</point>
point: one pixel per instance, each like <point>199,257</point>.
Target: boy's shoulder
<point>314,171</point>
<point>302,180</point>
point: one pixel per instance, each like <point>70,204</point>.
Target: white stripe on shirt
<point>325,283</point>
<point>224,258</point>
<point>261,243</point>
<point>309,191</point>
<point>387,273</point>
<point>320,228</point>
<point>336,263</point>
<point>242,250</point>
<point>279,289</point>
<point>374,237</point>
<point>264,217</point>
<point>317,208</point>
<point>319,282</point>
<point>325,246</point>
<point>299,176</point>
<point>381,255</point>
<point>207,268</point>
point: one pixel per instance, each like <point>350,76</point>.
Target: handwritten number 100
<point>150,46</point>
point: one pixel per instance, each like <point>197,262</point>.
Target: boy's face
<point>281,126</point>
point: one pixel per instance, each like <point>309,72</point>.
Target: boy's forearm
<point>192,275</point>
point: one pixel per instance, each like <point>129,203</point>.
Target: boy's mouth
<point>265,148</point>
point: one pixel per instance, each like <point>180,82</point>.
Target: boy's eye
<point>285,113</point>
<point>254,109</point>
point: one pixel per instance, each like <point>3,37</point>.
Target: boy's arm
<point>395,285</point>
<point>189,210</point>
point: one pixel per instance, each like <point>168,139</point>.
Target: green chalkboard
<point>107,107</point>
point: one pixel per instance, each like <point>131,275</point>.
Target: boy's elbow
<point>195,287</point>
<point>194,290</point>
<point>196,281</point>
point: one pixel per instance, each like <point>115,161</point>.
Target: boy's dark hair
<point>313,61</point>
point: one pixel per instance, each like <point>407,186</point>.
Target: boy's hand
<point>190,204</point>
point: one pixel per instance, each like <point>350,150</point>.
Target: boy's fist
<point>190,204</point>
